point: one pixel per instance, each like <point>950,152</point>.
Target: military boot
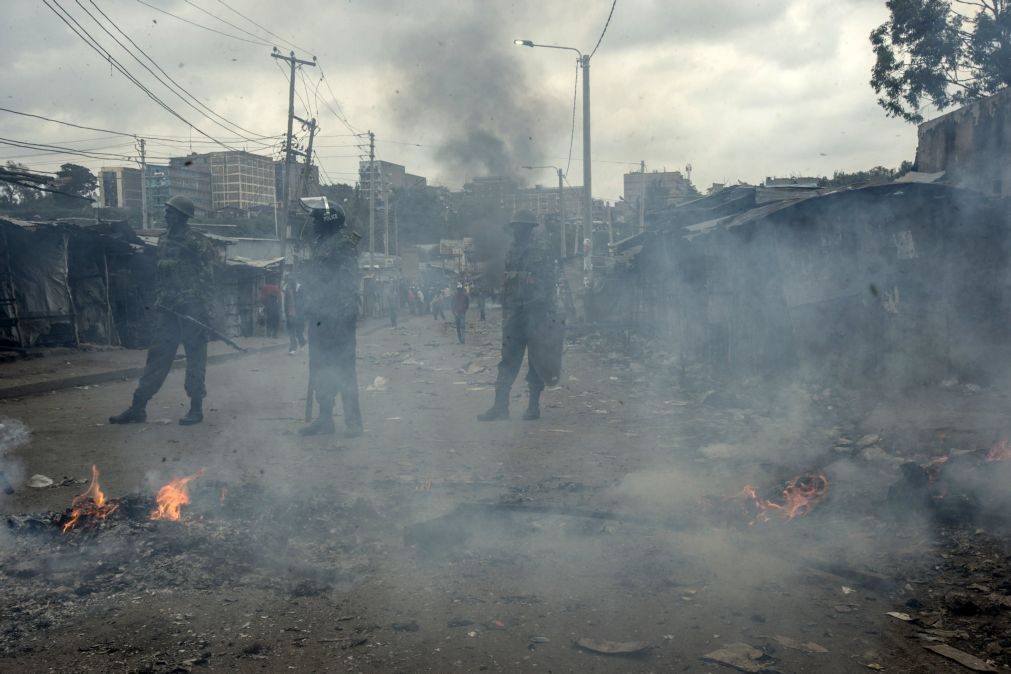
<point>323,424</point>
<point>500,410</point>
<point>134,414</point>
<point>533,406</point>
<point>196,413</point>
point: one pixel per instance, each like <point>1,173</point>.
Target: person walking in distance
<point>183,292</point>
<point>460,304</point>
<point>331,310</point>
<point>270,298</point>
<point>294,320</point>
<point>531,322</point>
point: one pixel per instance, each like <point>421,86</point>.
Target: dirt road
<point>437,543</point>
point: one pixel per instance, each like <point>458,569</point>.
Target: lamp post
<point>561,204</point>
<point>584,63</point>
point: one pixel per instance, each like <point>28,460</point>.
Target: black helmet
<point>324,211</point>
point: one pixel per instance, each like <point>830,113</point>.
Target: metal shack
<point>905,282</point>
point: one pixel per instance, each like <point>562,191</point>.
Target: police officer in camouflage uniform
<point>330,279</point>
<point>185,280</point>
<point>531,321</point>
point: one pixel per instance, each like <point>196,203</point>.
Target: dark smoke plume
<point>463,78</point>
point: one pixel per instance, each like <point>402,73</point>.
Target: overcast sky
<point>739,89</point>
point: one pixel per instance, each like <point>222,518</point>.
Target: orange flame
<point>172,497</point>
<point>1000,451</point>
<point>800,496</point>
<point>90,504</point>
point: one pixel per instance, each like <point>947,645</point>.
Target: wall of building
<point>192,181</point>
<point>239,179</point>
<point>635,185</point>
<point>120,187</point>
<point>970,145</point>
<point>295,180</point>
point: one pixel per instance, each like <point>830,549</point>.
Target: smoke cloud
<point>466,84</point>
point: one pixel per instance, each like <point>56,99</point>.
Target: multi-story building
<point>673,183</point>
<point>545,201</point>
<point>295,178</point>
<point>239,179</point>
<point>181,177</point>
<point>500,190</point>
<point>120,187</point>
<point>388,177</point>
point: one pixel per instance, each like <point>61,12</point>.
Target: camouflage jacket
<point>330,277</point>
<point>529,276</point>
<point>185,272</point>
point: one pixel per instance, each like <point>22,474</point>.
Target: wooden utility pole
<point>642,196</point>
<point>372,202</point>
<point>303,183</point>
<point>561,210</point>
<point>288,154</point>
<point>386,219</point>
<point>143,184</point>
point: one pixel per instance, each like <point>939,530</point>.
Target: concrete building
<point>544,201</point>
<point>500,190</point>
<point>678,189</point>
<point>970,146</point>
<point>295,180</point>
<point>181,177</point>
<point>119,187</point>
<point>388,176</point>
<point>239,179</point>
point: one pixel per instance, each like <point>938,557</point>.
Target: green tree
<point>75,180</point>
<point>879,175</point>
<point>940,52</point>
<point>19,186</point>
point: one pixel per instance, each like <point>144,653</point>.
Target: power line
<point>129,134</point>
<point>339,112</point>
<point>101,51</point>
<point>161,70</point>
<point>572,133</point>
<point>56,149</point>
<point>603,32</point>
<point>215,16</point>
<point>193,23</point>
<point>266,30</point>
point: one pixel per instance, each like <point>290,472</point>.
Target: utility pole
<point>561,210</point>
<point>372,201</point>
<point>288,154</point>
<point>642,196</point>
<point>386,219</point>
<point>307,167</point>
<point>584,61</point>
<point>143,184</point>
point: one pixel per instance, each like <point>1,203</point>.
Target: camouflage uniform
<point>531,321</point>
<point>330,278</point>
<point>185,280</point>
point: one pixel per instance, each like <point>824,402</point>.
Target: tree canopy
<point>75,180</point>
<point>941,53</point>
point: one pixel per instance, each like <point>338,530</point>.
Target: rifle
<point>212,331</point>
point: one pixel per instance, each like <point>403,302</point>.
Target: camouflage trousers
<point>332,346</point>
<point>168,333</point>
<point>538,332</point>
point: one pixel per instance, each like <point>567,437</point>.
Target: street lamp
<point>561,203</point>
<point>584,62</point>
